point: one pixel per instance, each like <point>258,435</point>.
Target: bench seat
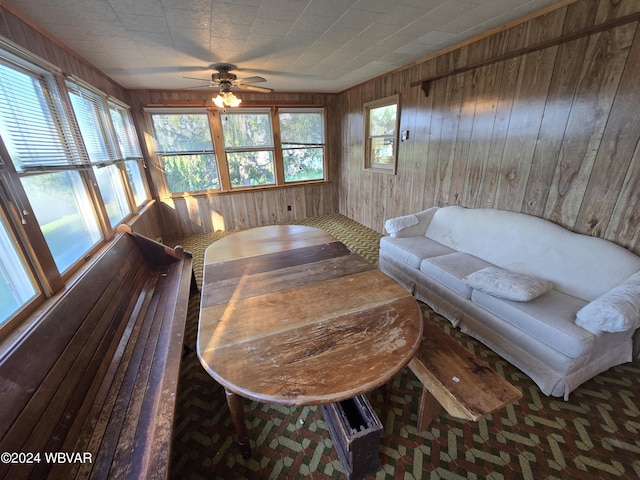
<point>97,374</point>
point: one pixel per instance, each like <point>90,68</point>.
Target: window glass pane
<point>188,173</point>
<point>64,213</point>
<point>33,125</point>
<point>302,164</point>
<point>113,194</point>
<point>183,132</point>
<point>247,130</point>
<point>382,150</point>
<point>135,181</point>
<point>248,169</point>
<point>382,120</point>
<point>16,286</point>
<point>305,128</point>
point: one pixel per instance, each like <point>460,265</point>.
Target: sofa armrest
<point>419,228</point>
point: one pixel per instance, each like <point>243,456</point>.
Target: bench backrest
<point>579,265</point>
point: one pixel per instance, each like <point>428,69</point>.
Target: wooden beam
<point>634,17</point>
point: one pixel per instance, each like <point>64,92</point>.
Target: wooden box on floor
<point>356,433</point>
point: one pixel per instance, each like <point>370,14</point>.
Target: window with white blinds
<point>33,123</point>
<point>125,131</point>
<point>93,118</point>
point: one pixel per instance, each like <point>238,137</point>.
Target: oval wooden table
<point>290,316</point>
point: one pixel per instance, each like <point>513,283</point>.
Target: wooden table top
<point>290,316</point>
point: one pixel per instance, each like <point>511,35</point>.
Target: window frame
<point>221,159</point>
<point>321,145</point>
<point>160,153</point>
<point>270,147</point>
<point>369,163</point>
<point>31,304</point>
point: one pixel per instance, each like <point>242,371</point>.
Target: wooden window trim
<point>369,165</point>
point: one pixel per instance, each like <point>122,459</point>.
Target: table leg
<point>387,390</point>
<point>429,409</point>
<point>236,408</point>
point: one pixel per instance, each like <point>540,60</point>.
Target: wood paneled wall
<point>189,215</point>
<point>554,133</point>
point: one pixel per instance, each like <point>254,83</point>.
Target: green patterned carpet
<point>595,435</point>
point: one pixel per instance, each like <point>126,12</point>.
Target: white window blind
<point>93,118</point>
<point>125,131</point>
<point>33,123</point>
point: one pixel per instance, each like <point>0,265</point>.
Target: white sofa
<point>560,306</point>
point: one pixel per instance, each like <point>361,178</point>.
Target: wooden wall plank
<point>601,72</point>
<point>623,226</point>
<point>615,152</point>
<point>526,115</point>
<point>557,108</point>
<point>489,79</point>
<point>505,95</point>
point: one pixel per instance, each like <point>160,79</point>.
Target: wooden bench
<point>456,381</point>
<point>97,375</point>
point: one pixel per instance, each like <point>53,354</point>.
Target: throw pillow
<point>617,310</point>
<point>506,284</point>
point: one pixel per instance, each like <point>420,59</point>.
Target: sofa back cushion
<point>578,265</point>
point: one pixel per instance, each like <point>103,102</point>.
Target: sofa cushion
<point>411,250</point>
<point>617,310</point>
<point>549,319</point>
<point>506,284</point>
<point>451,268</point>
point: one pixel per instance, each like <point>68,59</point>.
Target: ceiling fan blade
<point>208,86</point>
<point>201,79</point>
<point>254,89</point>
<point>255,79</point>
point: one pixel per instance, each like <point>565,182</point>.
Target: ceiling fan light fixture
<point>226,99</point>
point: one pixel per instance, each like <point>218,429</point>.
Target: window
<point>130,150</point>
<point>33,125</point>
<point>302,137</point>
<point>95,121</point>
<point>248,144</point>
<point>16,285</point>
<point>251,152</point>
<point>38,136</point>
<point>184,144</point>
<point>381,134</point>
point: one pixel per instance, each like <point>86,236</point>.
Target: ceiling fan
<point>225,82</point>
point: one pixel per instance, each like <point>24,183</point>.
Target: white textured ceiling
<point>297,45</point>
